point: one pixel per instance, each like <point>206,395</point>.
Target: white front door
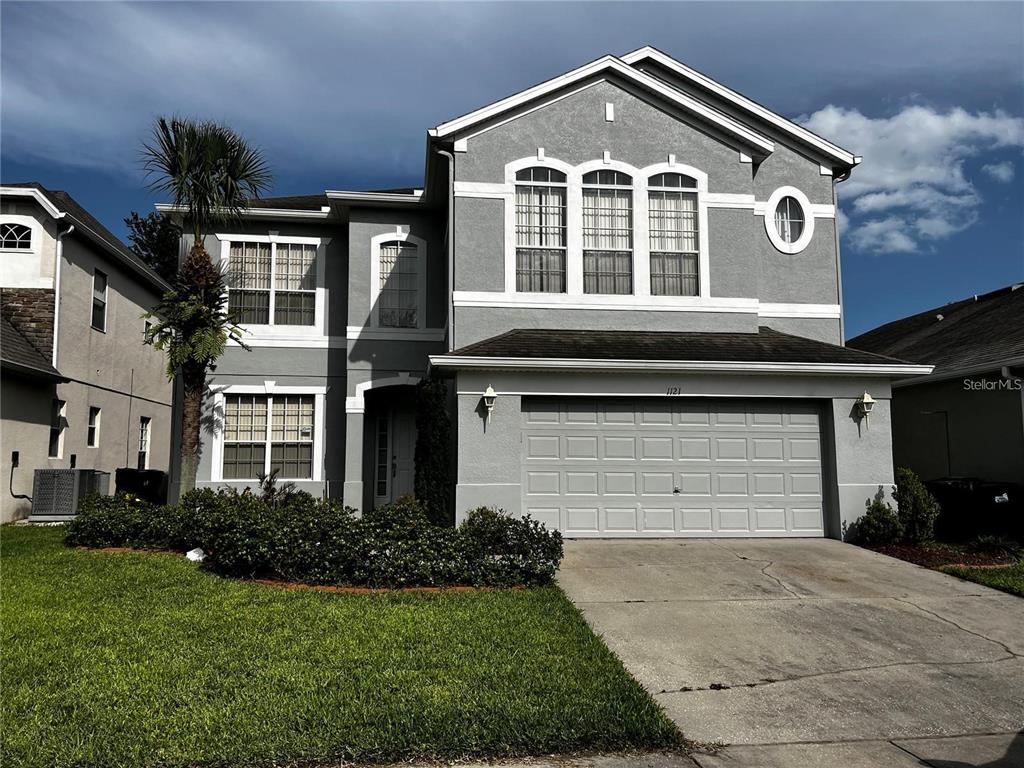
<point>395,449</point>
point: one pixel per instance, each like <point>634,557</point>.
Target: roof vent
<point>940,318</point>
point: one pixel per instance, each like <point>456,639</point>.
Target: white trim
<point>745,158</point>
<point>815,311</point>
<point>609,112</point>
<point>268,388</point>
<point>36,195</point>
<point>483,188</point>
<point>729,200</point>
<point>659,393</point>
<point>594,68</point>
<point>603,302</point>
<point>400,234</point>
<point>276,213</point>
<point>357,404</point>
<point>23,267</point>
<point>647,52</point>
<point>962,372</point>
<point>272,334</point>
<point>769,220</point>
<point>824,170</point>
<point>696,366</point>
<point>358,332</point>
<point>268,338</point>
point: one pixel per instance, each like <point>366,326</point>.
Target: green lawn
<point>1009,578</point>
<point>144,660</point>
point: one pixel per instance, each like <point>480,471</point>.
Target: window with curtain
<point>398,301</point>
<point>789,219</point>
<point>540,230</point>
<point>607,232</point>
<point>674,235</point>
<point>278,275</point>
<point>15,237</point>
<point>264,433</point>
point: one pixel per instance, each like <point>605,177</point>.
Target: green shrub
<point>511,550</point>
<point>299,538</point>
<point>878,525</point>
<point>916,507</point>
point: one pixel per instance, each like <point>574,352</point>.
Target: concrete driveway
<point>810,652</point>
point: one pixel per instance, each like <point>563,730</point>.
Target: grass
<point>1009,578</point>
<point>145,660</point>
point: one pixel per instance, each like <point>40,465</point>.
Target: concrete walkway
<point>810,652</point>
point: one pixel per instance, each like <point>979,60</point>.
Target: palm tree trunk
<point>194,385</point>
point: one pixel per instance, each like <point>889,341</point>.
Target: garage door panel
<point>627,467</point>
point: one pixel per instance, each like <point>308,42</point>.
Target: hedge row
<point>313,541</point>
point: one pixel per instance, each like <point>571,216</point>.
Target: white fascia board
<point>375,197</point>
<point>277,213</point>
<point>830,149</point>
<point>687,366</point>
<point>602,65</point>
<point>36,195</point>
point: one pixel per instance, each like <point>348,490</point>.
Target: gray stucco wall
<point>743,262</point>
<point>857,457</point>
<point>943,429</point>
<point>25,417</point>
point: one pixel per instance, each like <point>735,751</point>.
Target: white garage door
<point>672,467</point>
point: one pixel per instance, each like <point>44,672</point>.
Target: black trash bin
<point>148,484</point>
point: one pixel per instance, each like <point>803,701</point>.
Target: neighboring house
<point>642,266</point>
<point>80,387</point>
<point>966,419</point>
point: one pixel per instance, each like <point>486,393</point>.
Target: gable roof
<point>61,205</point>
<point>982,330</point>
<point>649,53</point>
<point>17,355</point>
<point>604,66</point>
<point>767,351</point>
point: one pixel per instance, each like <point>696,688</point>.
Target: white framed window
<point>398,280</point>
<point>276,283</point>
<point>15,237</point>
<point>674,234</point>
<point>266,429</point>
<point>99,300</point>
<point>541,243</point>
<point>92,435</point>
<point>789,220</point>
<point>58,426</point>
<point>142,461</point>
<point>607,232</point>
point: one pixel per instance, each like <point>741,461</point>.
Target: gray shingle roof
<point>19,356</point>
<point>765,346</point>
<point>981,330</point>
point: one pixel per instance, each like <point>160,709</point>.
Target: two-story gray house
<point>630,276</point>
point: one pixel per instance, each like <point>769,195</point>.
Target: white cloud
<point>1002,172</point>
<point>913,184</point>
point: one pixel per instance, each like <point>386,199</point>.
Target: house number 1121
<point>674,391</point>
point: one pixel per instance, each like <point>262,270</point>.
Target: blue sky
<point>339,95</point>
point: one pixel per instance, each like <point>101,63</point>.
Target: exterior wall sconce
<point>864,404</point>
<point>489,397</point>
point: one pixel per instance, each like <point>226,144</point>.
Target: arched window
<point>15,237</point>
<point>674,235</point>
<point>540,230</point>
<point>607,232</point>
<point>398,301</point>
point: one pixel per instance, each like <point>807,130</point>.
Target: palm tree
<point>211,174</point>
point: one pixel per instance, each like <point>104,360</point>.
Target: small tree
<point>154,239</point>
<point>211,173</point>
<point>432,482</point>
<point>917,508</point>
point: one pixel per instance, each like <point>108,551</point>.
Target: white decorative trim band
<point>357,332</point>
<point>816,311</point>
<point>602,302</point>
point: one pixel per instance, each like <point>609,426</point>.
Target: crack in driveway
<point>1001,644</point>
<point>812,675</point>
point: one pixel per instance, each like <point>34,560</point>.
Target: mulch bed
<point>936,555</point>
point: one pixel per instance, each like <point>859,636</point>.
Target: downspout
<point>56,288</point>
<point>450,229</point>
<point>839,261</point>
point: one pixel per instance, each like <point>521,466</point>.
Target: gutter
<point>449,238</point>
<point>683,366</point>
<point>277,213</point>
<point>1002,367</point>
